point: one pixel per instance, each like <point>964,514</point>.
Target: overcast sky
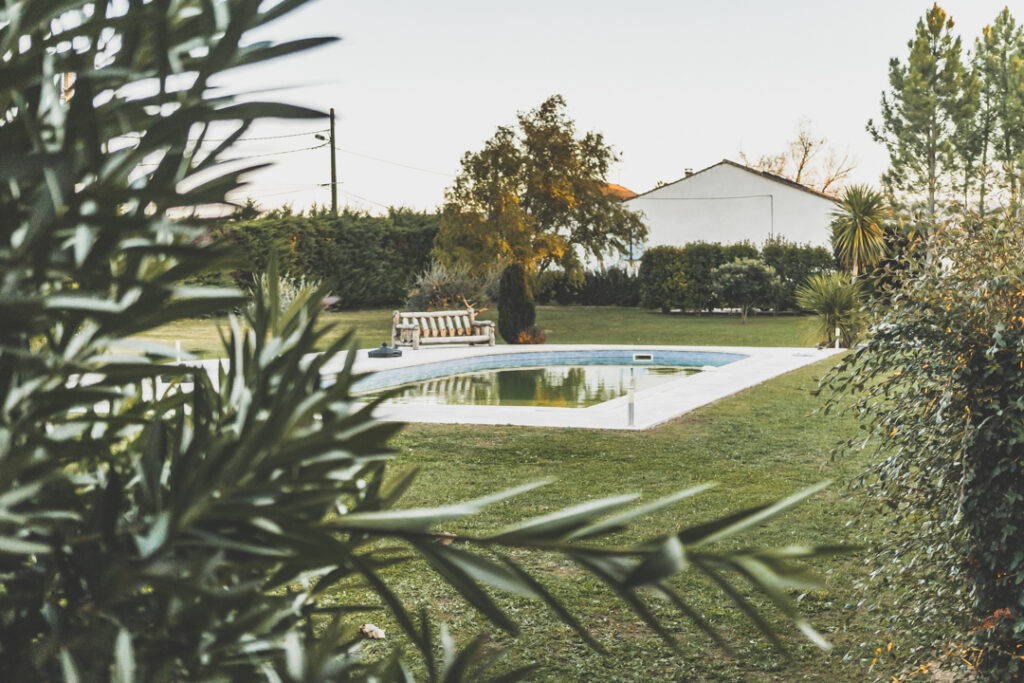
<point>671,85</point>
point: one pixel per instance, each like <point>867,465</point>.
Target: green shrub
<point>938,386</point>
<point>662,282</point>
<point>837,302</point>
<point>516,311</point>
<point>744,284</point>
<point>794,263</point>
<point>440,288</point>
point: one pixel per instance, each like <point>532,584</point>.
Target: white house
<point>729,203</point>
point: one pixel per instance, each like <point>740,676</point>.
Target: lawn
<point>564,325</point>
<point>759,445</point>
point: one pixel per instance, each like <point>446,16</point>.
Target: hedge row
<point>680,277</point>
<point>613,287</point>
<point>367,261</point>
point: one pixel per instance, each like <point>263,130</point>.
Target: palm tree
<point>857,235</point>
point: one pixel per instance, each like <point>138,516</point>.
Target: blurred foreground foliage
<point>191,532</point>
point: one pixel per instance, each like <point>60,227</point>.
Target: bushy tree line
<point>682,277</point>
<point>364,261</point>
<point>953,119</point>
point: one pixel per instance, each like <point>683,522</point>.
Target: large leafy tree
<point>167,522</point>
<point>920,110</point>
<point>857,236</point>
<point>536,195</point>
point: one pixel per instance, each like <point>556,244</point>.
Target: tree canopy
<point>536,195</point>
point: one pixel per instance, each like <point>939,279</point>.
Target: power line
<point>255,156</point>
<point>393,163</point>
<point>365,199</point>
<point>268,137</point>
<point>274,154</point>
<point>138,136</point>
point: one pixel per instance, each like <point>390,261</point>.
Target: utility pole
<point>334,170</point>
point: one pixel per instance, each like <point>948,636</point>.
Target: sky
<point>670,85</point>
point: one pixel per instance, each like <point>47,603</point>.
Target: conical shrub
<point>516,312</point>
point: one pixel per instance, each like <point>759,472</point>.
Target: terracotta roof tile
<point>623,193</point>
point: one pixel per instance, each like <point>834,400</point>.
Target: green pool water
<point>558,386</point>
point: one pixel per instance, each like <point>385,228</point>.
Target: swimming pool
<point>407,374</point>
<point>725,370</point>
<point>563,386</point>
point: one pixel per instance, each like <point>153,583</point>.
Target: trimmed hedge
<point>662,281</point>
<point>681,277</point>
<point>367,261</point>
<point>794,263</point>
<point>612,287</point>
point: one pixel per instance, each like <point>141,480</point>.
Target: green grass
<point>759,445</point>
<point>564,325</point>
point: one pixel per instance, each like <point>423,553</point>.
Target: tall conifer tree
<point>920,108</point>
<point>1000,60</point>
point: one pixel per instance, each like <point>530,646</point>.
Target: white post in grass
<point>632,398</point>
<point>837,337</point>
<point>177,349</point>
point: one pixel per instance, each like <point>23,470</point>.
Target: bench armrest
<point>483,323</point>
<point>406,326</point>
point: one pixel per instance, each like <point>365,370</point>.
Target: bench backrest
<point>439,323</point>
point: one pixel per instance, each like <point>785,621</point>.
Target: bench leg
<point>415,340</point>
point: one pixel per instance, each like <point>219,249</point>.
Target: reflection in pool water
<point>559,386</point>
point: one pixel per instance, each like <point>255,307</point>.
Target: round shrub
<point>516,311</point>
<point>744,284</point>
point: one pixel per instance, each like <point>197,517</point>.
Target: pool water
<point>573,386</point>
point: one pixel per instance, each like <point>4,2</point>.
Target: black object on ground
<point>385,351</point>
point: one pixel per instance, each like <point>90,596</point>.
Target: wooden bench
<point>440,327</point>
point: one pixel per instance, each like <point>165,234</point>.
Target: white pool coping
<point>651,407</point>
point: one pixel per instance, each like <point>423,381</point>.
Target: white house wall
<point>727,204</point>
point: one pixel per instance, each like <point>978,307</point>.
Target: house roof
<point>623,193</point>
<point>764,174</point>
